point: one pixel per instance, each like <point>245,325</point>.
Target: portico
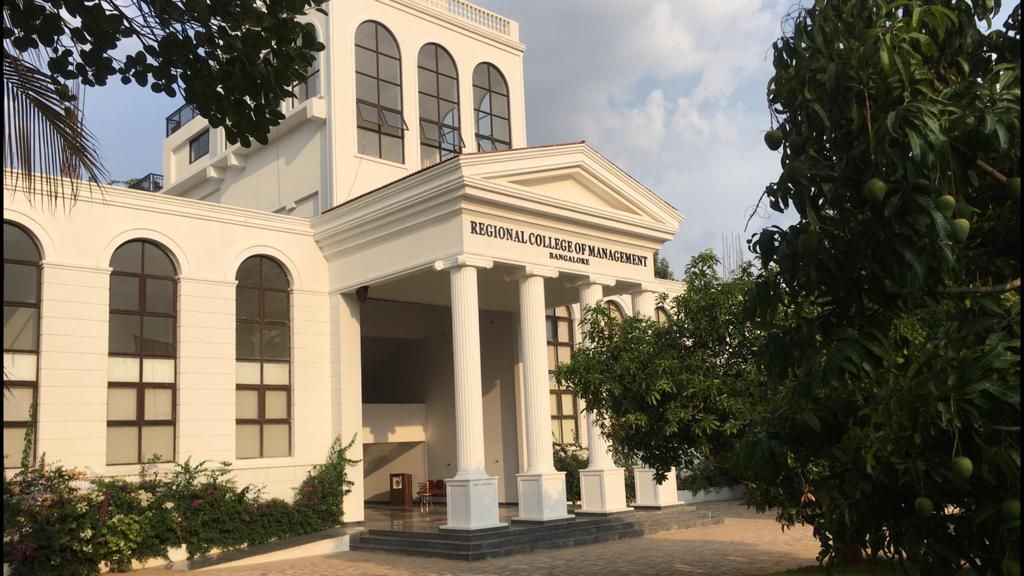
<point>515,232</point>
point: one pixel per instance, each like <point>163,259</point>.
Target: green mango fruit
<point>945,204</point>
<point>875,189</point>
<point>962,467</point>
<point>924,506</point>
<point>773,139</point>
<point>961,229</point>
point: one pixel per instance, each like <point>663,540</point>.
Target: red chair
<point>437,488</point>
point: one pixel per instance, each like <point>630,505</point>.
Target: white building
<point>396,264</point>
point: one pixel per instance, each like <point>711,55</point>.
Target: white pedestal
<point>650,494</point>
<point>472,503</point>
<point>542,497</point>
<point>603,491</point>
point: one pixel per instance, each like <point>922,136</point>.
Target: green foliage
<point>677,393</point>
<point>56,522</point>
<point>662,269</point>
<point>891,348</point>
<point>571,458</point>
<point>233,60</point>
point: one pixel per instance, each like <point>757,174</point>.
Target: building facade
<point>396,266</point>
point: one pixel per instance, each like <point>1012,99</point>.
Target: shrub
<point>571,458</point>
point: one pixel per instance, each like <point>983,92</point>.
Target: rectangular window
<point>199,146</point>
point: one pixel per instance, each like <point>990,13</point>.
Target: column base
<point>603,490</point>
<point>650,494</point>
<point>472,503</point>
<point>542,497</point>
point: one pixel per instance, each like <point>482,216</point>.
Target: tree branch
<point>1006,428</point>
<point>871,131</point>
<point>1004,287</point>
<point>990,171</point>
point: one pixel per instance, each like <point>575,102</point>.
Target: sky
<point>671,91</point>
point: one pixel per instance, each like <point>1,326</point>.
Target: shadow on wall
<point>381,460</point>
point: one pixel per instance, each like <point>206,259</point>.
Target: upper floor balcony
<point>475,15</point>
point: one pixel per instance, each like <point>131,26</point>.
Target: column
<point>541,487</point>
<point>347,392</point>
<point>472,500</point>
<point>602,484</point>
<point>650,494</point>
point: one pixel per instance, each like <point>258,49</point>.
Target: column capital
<point>591,280</point>
<point>643,288</point>
<point>463,260</point>
<point>529,271</point>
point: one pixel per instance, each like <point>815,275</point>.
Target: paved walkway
<point>746,544</point>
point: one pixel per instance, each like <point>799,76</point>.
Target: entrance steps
<point>520,537</point>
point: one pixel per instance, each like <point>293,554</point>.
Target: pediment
<point>577,187</point>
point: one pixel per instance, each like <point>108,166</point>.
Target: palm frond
<point>47,146</point>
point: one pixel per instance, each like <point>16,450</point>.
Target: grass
<point>885,569</point>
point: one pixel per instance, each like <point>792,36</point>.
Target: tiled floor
<point>382,517</point>
<point>746,544</point>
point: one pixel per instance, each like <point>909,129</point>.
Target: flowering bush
<point>57,522</point>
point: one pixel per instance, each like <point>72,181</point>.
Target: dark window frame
<point>261,420</point>
<point>383,126</point>
<point>140,387</point>
<point>445,150</point>
<point>552,320</point>
<point>192,156</point>
<point>493,143</point>
<point>24,425</point>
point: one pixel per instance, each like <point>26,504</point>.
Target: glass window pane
<point>429,133</point>
<point>19,367</point>
<point>247,404</point>
<point>428,57</point>
<point>121,369</point>
<point>124,292</point>
<point>17,403</point>
<point>552,359</point>
<point>121,404</point>
<point>554,404</point>
<point>158,263</point>
<point>428,108</point>
<point>369,143</point>
<point>567,408</point>
<point>247,340</point>
<point>14,441</point>
<point>275,440</point>
<point>568,430</point>
<point>391,148</point>
<point>366,61</point>
<point>158,370</point>
<point>159,296</point>
<point>394,120</point>
<point>427,82</point>
<point>369,114</point>
<point>276,343</point>
<point>551,330</point>
<point>390,96</point>
<point>21,283</point>
<point>18,245</point>
<point>247,441</point>
<point>274,275</point>
<point>445,64</point>
<point>276,373</point>
<point>556,431</point>
<point>247,303</point>
<point>480,76</point>
<point>158,440</point>
<point>366,88</point>
<point>564,352</point>
<point>247,372</point>
<point>275,306</point>
<point>125,334</point>
<point>485,145</point>
<point>449,113</point>
<point>159,405</point>
<point>497,82</point>
<point>483,125</point>
<point>249,272</point>
<point>388,69</point>
<point>482,100</point>
<point>563,330</point>
<point>501,129</point>
<point>366,36</point>
<point>276,404</point>
<point>429,155</point>
<point>157,336</point>
<point>447,89</point>
<point>127,258</point>
<point>386,42</point>
<point>499,105</point>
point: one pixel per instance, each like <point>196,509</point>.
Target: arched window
<point>310,86</point>
<point>490,103</point>
<point>21,339</point>
<point>563,402</point>
<point>661,315</point>
<point>142,348</point>
<point>381,127</point>
<point>263,367</point>
<point>439,105</point>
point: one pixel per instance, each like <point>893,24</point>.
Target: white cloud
<point>674,92</point>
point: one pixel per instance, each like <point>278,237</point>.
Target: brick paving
<point>746,544</point>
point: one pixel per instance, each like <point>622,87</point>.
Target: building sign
<point>559,249</point>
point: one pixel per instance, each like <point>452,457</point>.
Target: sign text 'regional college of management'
<point>560,249</point>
